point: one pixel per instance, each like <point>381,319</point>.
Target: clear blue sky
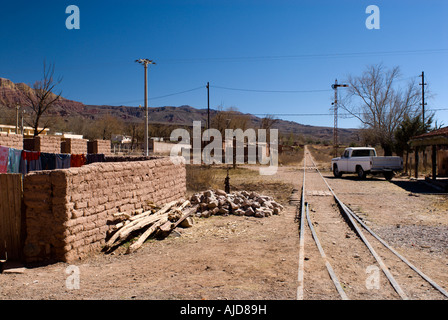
<point>259,45</point>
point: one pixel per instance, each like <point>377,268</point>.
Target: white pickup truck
<point>363,161</point>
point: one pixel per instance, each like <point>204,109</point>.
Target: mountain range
<point>183,115</point>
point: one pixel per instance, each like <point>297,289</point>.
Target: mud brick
<point>81,205</point>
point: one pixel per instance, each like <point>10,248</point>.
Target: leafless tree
<point>380,105</point>
<point>230,118</point>
<point>268,121</point>
<point>40,99</point>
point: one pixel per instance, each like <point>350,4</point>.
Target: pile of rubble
<point>240,203</point>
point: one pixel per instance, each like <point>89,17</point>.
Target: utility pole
<point>208,105</point>
<point>23,114</point>
<point>17,118</point>
<point>145,63</point>
<point>335,86</point>
<point>423,84</point>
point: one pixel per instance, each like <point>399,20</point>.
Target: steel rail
<point>384,268</point>
<point>300,275</point>
<point>410,265</point>
<point>322,253</point>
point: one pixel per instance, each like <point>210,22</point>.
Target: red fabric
<point>30,155</point>
<point>4,154</point>
<point>77,160</point>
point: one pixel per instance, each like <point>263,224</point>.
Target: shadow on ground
<point>417,187</point>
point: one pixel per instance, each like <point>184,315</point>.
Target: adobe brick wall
<point>11,140</point>
<point>74,146</point>
<point>67,210</point>
<point>50,144</point>
<point>99,146</point>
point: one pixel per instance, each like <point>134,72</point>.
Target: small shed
<point>438,141</point>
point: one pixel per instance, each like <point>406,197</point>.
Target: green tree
<point>407,129</point>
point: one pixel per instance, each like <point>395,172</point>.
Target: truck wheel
<point>388,175</point>
<point>336,172</point>
<point>361,173</point>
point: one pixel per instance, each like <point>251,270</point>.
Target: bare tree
<point>136,131</point>
<point>379,104</point>
<point>230,118</point>
<point>40,99</point>
<point>268,121</point>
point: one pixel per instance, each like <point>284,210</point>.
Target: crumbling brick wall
<point>99,146</point>
<point>67,211</point>
<point>74,146</point>
<point>11,140</point>
<point>50,144</point>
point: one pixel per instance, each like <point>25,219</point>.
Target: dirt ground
<point>232,257</point>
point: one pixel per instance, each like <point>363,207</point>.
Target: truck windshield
<point>363,153</point>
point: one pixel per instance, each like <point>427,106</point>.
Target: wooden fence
<point>10,216</point>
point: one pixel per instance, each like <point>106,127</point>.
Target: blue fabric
<point>62,161</point>
<point>48,161</point>
<point>14,160</point>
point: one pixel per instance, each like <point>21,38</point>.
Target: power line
<point>159,97</point>
<point>271,91</point>
<point>306,56</point>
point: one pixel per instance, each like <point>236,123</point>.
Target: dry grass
<point>322,154</point>
<point>200,178</point>
<point>290,157</point>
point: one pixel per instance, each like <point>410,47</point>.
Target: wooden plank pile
<point>158,222</point>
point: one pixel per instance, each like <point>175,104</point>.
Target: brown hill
<point>183,115</point>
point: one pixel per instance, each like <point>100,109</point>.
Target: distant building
<point>27,131</point>
<point>121,139</point>
<point>69,135</point>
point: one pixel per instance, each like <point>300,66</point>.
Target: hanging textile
<point>94,157</point>
<point>77,160</point>
<point>30,161</point>
<point>4,155</point>
<point>14,159</point>
<point>48,161</point>
<point>62,161</point>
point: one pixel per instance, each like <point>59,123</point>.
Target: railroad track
<point>350,260</point>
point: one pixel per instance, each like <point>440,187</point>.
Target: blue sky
<point>256,45</point>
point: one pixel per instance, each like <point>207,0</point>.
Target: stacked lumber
<point>240,203</point>
<point>154,222</point>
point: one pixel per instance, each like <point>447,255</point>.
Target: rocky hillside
<point>183,115</point>
<point>10,95</point>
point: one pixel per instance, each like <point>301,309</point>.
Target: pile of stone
<point>240,203</point>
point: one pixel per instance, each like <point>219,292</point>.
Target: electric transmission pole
<point>423,84</point>
<point>335,86</point>
<point>17,118</point>
<point>208,105</point>
<point>145,63</point>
